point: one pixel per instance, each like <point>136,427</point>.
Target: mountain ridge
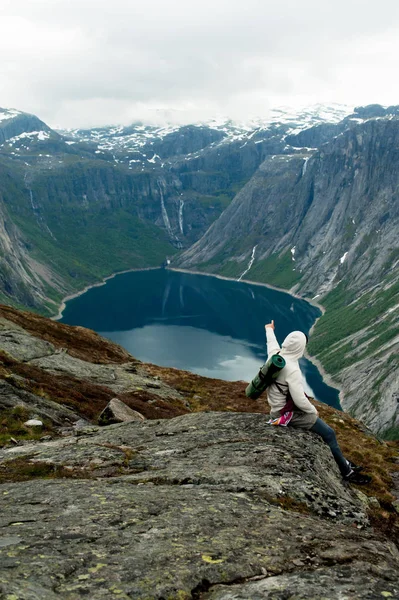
<point>52,188</point>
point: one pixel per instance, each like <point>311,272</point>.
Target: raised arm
<point>272,343</point>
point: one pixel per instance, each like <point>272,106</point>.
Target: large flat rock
<point>24,347</point>
<point>118,377</point>
<point>193,507</point>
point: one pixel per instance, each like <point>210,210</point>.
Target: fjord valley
<point>307,202</point>
<point>127,479</point>
<point>79,205</point>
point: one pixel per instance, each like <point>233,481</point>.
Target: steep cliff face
<point>84,204</point>
<point>75,208</point>
<point>57,240</point>
<point>326,224</point>
<point>25,280</point>
<point>200,499</point>
<point>77,213</point>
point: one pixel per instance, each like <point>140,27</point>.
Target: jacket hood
<point>294,345</point>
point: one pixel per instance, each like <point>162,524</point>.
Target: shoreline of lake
<point>66,299</point>
<point>266,285</point>
<point>327,378</point>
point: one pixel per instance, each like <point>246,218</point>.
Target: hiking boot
<point>357,478</point>
<point>354,467</point>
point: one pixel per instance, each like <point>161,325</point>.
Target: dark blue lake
<point>210,326</point>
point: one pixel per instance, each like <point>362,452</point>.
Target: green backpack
<point>267,374</point>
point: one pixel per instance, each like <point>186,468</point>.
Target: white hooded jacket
<point>292,350</point>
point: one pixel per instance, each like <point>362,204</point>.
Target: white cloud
<point>89,62</point>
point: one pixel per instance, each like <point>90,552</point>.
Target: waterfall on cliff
<point>251,262</point>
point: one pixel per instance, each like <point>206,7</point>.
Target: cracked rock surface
<point>209,505</point>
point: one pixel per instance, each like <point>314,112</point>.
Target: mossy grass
<point>276,269</point>
<point>391,434</point>
<point>25,469</point>
<point>347,315</point>
<point>102,244</point>
<point>380,460</point>
<point>12,426</point>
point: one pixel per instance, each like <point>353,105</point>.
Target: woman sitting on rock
<point>290,405</point>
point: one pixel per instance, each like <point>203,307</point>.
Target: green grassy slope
<point>80,241</point>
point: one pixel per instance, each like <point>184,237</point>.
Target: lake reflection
<point>224,358</point>
<point>206,325</point>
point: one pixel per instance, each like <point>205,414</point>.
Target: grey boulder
<point>117,411</point>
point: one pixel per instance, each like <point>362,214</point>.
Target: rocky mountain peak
<point>16,125</point>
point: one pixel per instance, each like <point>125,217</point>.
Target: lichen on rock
<point>209,504</point>
<point>189,505</point>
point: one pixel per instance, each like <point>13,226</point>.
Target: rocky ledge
<point>207,505</point>
<point>198,499</point>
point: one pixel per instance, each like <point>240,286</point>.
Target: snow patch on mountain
<point>343,258</point>
<point>9,113</point>
<point>41,135</point>
<point>135,137</point>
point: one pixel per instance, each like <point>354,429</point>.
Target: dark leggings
<point>328,435</point>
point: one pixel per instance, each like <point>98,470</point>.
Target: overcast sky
<point>79,63</point>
